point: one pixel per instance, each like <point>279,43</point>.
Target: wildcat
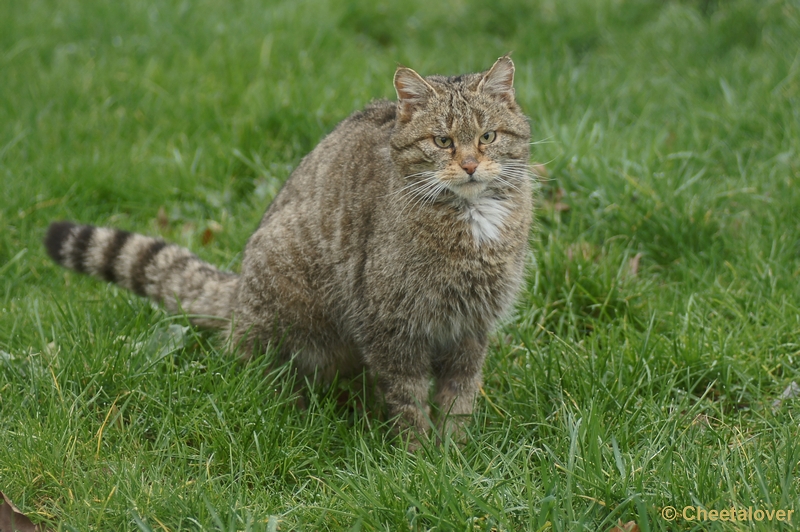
<point>396,244</point>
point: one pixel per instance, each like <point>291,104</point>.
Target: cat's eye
<point>488,137</point>
<point>443,142</point>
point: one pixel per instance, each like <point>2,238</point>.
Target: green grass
<point>660,320</point>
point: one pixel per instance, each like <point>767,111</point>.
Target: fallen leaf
<point>212,229</point>
<point>12,520</point>
<point>583,250</point>
<point>791,391</point>
<point>162,218</point>
<point>630,526</point>
<point>633,264</point>
<point>702,421</point>
<point>208,236</point>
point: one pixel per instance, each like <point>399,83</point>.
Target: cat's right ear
<point>499,80</point>
<point>412,91</point>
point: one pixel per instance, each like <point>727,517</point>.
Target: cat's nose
<point>470,164</point>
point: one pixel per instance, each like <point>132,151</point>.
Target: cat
<point>396,244</point>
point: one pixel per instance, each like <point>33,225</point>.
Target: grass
<point>658,326</point>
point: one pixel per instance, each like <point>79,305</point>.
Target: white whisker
<point>546,140</point>
<point>426,177</point>
<point>507,183</point>
<point>422,191</point>
<point>426,173</point>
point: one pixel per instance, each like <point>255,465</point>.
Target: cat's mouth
<point>468,188</point>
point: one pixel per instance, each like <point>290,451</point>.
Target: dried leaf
<point>580,250</point>
<point>633,264</point>
<point>162,218</point>
<point>791,391</point>
<point>702,421</point>
<point>213,228</point>
<point>630,526</point>
<point>12,520</point>
<point>208,236</point>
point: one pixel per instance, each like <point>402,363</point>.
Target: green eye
<point>443,142</point>
<point>488,137</point>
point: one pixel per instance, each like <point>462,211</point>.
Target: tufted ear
<point>412,91</point>
<point>499,80</point>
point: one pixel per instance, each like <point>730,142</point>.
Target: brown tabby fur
<point>382,250</point>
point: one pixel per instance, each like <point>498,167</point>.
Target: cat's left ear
<point>412,91</point>
<point>499,80</point>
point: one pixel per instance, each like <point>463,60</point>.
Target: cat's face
<point>462,136</point>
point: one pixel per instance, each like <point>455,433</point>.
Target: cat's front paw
<point>412,426</point>
<point>454,427</point>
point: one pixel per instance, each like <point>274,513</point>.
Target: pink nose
<point>470,164</point>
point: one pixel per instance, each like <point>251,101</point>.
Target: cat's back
<point>317,224</point>
<point>323,208</point>
<point>377,113</point>
<point>351,149</point>
<point>340,169</point>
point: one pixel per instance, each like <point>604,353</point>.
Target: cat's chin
<point>468,190</point>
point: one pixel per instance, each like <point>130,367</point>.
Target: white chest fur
<point>485,217</point>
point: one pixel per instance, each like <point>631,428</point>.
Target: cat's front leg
<point>401,372</point>
<point>459,375</point>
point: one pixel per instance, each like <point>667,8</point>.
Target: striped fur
<point>396,245</point>
<point>148,267</point>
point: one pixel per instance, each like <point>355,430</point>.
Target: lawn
<point>644,367</point>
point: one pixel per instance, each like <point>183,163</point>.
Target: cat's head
<point>462,135</point>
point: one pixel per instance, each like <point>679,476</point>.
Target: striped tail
<point>150,267</point>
